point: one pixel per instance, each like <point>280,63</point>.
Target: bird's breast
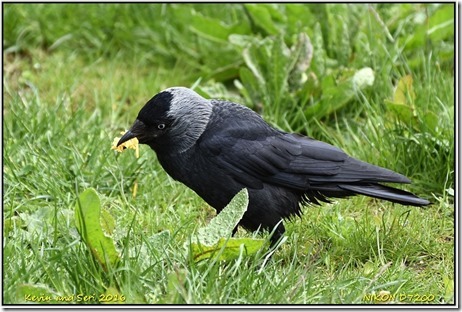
<point>199,174</point>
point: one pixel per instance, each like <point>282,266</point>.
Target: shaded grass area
<point>61,112</point>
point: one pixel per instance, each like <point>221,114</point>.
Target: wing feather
<point>253,153</point>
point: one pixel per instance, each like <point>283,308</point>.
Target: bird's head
<point>173,119</point>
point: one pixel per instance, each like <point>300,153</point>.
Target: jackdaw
<point>217,148</point>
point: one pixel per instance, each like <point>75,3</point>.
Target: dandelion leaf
<point>213,239</point>
<point>88,223</point>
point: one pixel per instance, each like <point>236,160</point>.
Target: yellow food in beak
<point>132,143</point>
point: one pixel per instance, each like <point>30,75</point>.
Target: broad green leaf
<point>310,89</point>
<point>441,24</point>
<point>241,40</point>
<point>224,223</point>
<point>212,240</point>
<point>227,249</point>
<point>209,28</point>
<point>214,29</point>
<point>261,16</point>
<point>319,52</point>
<point>269,62</point>
<point>404,92</point>
<point>438,27</point>
<point>276,11</point>
<point>107,222</point>
<point>225,73</point>
<point>336,94</point>
<point>402,111</point>
<point>402,105</point>
<point>279,64</point>
<point>249,87</point>
<point>252,61</point>
<point>431,121</point>
<point>88,223</point>
<point>344,47</point>
<point>301,55</point>
<point>296,13</point>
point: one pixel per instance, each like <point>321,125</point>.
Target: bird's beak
<point>136,130</point>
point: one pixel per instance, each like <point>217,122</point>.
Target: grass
<point>68,93</point>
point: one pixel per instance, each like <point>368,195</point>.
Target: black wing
<point>253,153</point>
<point>291,161</point>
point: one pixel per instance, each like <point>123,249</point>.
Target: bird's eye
<point>161,126</point>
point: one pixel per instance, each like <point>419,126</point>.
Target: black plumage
<point>218,147</point>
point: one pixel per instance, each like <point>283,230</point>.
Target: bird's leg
<point>278,232</point>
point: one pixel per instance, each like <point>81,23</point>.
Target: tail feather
<point>385,192</point>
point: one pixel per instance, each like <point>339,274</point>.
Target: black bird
<point>217,148</point>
